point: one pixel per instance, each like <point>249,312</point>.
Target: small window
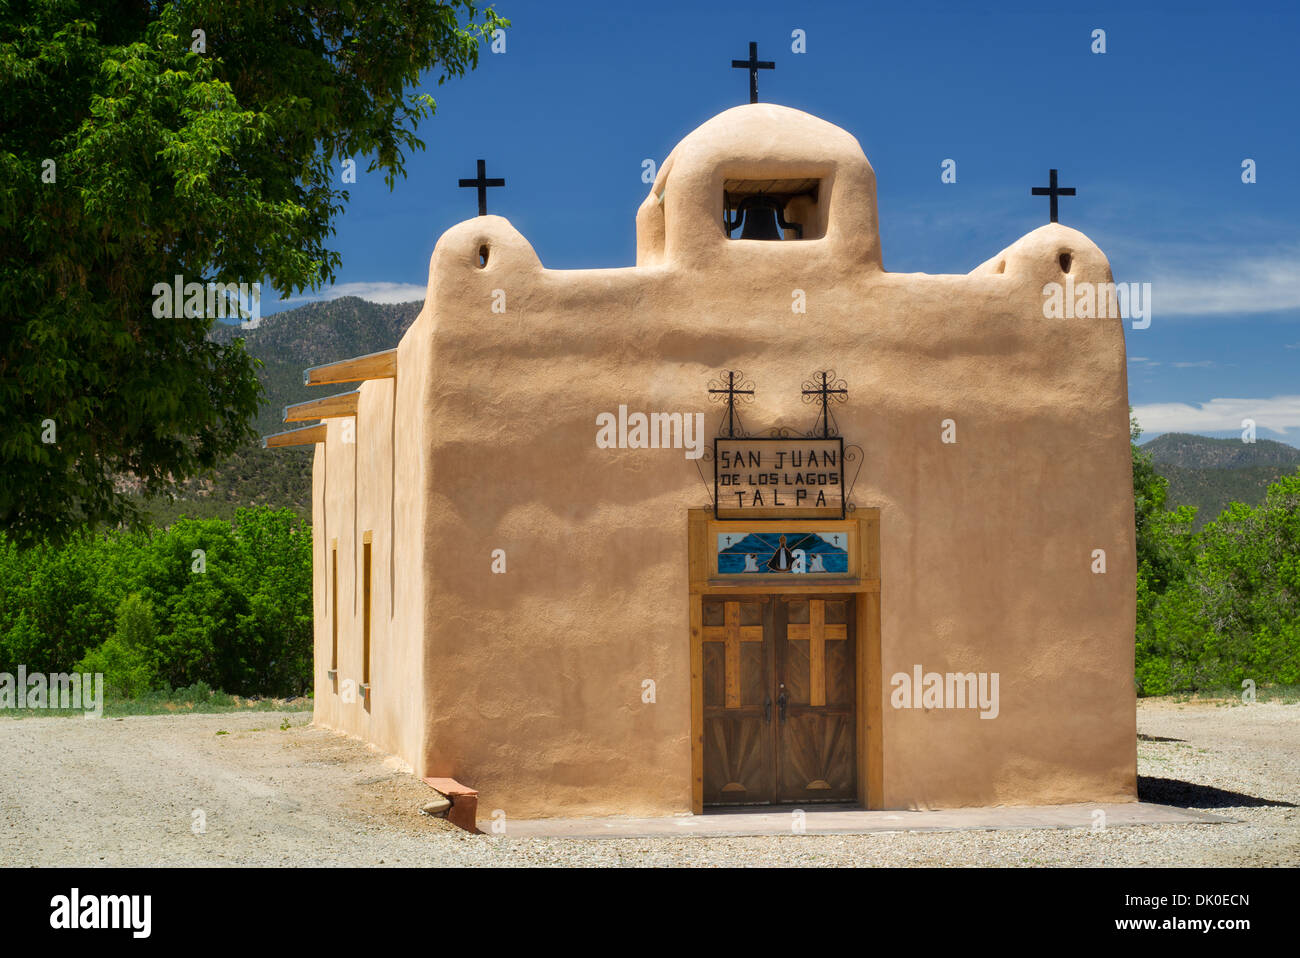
<point>365,611</point>
<point>775,209</point>
<point>334,606</point>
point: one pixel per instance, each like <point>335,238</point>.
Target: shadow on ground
<point>1171,791</point>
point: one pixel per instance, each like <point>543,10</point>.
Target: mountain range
<point>1210,473</point>
<point>287,343</point>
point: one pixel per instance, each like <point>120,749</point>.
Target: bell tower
<point>758,173</point>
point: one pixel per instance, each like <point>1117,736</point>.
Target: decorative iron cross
<point>825,386</point>
<point>482,184</point>
<point>731,386</point>
<point>1053,191</point>
<point>753,65</point>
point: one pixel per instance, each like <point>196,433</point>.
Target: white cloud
<point>1242,285</point>
<point>1278,414</point>
<point>1200,362</point>
<point>375,292</point>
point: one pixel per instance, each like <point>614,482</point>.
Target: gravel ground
<point>134,791</point>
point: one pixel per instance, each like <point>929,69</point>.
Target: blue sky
<point>1152,133</point>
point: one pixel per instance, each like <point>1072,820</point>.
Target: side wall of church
<point>361,499</point>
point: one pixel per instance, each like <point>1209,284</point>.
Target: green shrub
<point>1228,607</point>
<point>126,658</point>
<point>228,604</point>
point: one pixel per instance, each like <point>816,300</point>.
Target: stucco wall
<point>532,679</point>
<point>355,479</point>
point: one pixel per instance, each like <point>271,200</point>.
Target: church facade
<point>619,541</point>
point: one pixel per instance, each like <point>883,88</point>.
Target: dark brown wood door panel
<point>779,700</point>
<point>816,729</point>
<point>738,753</point>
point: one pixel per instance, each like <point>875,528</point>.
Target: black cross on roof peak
<point>482,183</point>
<point>753,65</point>
<point>1053,191</point>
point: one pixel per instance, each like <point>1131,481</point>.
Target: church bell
<point>760,220</point>
<point>763,218</point>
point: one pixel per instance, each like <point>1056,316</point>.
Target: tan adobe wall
<point>529,683</point>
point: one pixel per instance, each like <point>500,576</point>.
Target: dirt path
<point>126,792</point>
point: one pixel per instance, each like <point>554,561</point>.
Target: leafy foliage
<point>125,658</point>
<point>1222,605</point>
<point>143,141</point>
<point>151,612</point>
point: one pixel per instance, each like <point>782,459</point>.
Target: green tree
<point>126,658</point>
<point>1166,547</point>
<point>1246,584</point>
<point>228,604</point>
<point>276,634</point>
<point>1234,612</point>
<point>203,139</point>
<point>196,577</point>
<point>1164,539</point>
<point>53,603</point>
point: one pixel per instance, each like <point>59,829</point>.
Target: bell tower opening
<point>773,209</point>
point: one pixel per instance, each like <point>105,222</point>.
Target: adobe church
<point>751,522</point>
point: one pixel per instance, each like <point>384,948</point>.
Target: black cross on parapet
<point>753,65</point>
<point>482,183</point>
<point>824,387</point>
<point>732,385</point>
<point>1053,191</point>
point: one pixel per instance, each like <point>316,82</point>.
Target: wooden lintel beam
<point>327,407</point>
<point>303,436</point>
<point>382,365</point>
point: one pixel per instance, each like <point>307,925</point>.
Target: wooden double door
<point>779,699</point>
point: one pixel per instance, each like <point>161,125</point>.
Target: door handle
<point>767,709</point>
<point>780,703</point>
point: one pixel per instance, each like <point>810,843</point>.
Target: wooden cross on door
<point>732,634</point>
<point>818,633</point>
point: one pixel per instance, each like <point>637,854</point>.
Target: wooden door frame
<point>863,581</point>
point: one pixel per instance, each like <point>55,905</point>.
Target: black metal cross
<point>1053,191</point>
<point>732,389</point>
<point>753,65</point>
<point>826,389</point>
<point>482,184</point>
